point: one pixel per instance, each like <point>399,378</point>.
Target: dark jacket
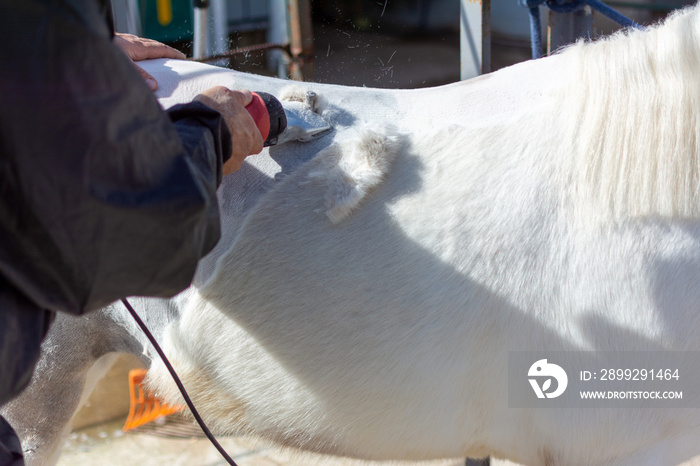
<point>102,194</point>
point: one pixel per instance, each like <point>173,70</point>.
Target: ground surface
<point>106,445</point>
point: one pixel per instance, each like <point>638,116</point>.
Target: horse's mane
<point>630,115</point>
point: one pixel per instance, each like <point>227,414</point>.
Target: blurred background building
<point>380,43</point>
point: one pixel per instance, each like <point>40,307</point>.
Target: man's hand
<point>245,135</point>
<point>138,48</point>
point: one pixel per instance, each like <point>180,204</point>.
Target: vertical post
<point>301,39</point>
<point>219,13</point>
<point>278,33</point>
<point>485,36</point>
<point>475,37</point>
<point>126,17</point>
<point>484,462</point>
<point>201,32</point>
<point>566,28</point>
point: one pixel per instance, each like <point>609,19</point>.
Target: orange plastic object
<point>165,12</point>
<point>145,407</point>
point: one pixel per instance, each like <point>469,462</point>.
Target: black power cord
<point>181,387</point>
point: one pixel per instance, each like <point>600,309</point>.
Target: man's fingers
<point>153,49</point>
<point>221,93</point>
<point>138,48</point>
<point>150,80</point>
<point>246,97</point>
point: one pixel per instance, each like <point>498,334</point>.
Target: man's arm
<point>101,194</point>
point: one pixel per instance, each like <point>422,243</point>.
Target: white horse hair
<point>633,121</point>
<point>369,285</point>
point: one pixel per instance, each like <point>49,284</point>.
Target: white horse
<point>369,285</point>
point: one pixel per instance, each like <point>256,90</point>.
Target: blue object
<point>563,6</point>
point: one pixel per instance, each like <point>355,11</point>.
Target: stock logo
<point>540,376</point>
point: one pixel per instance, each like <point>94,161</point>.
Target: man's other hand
<point>138,48</point>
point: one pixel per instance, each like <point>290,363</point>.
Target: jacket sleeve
<point>102,194</point>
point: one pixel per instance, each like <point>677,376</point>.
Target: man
<point>102,194</point>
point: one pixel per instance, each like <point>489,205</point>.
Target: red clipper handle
<point>258,110</point>
<point>269,116</point>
